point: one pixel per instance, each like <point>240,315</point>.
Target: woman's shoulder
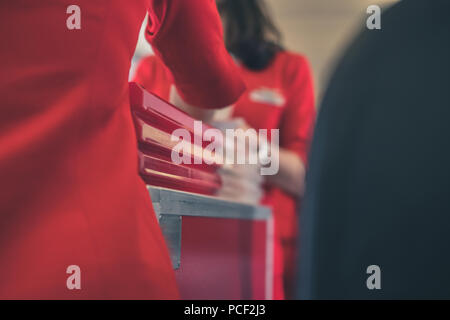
<point>151,68</point>
<point>152,61</point>
<point>292,60</point>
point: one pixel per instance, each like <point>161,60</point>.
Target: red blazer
<point>70,193</point>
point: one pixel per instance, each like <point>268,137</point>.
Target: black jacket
<point>378,186</point>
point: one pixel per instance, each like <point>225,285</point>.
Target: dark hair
<point>250,33</point>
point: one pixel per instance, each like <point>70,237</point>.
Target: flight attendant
<point>279,96</point>
<point>76,219</point>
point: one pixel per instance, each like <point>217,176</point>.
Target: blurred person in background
<point>376,217</point>
<point>70,193</point>
<point>279,96</point>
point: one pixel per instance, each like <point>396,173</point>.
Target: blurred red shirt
<point>70,193</point>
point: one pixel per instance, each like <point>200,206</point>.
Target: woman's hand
<point>291,174</point>
<point>240,182</point>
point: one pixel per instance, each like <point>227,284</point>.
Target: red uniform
<point>70,193</point>
<point>278,97</point>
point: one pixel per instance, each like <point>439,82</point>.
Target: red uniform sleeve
<point>298,119</point>
<point>187,35</point>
